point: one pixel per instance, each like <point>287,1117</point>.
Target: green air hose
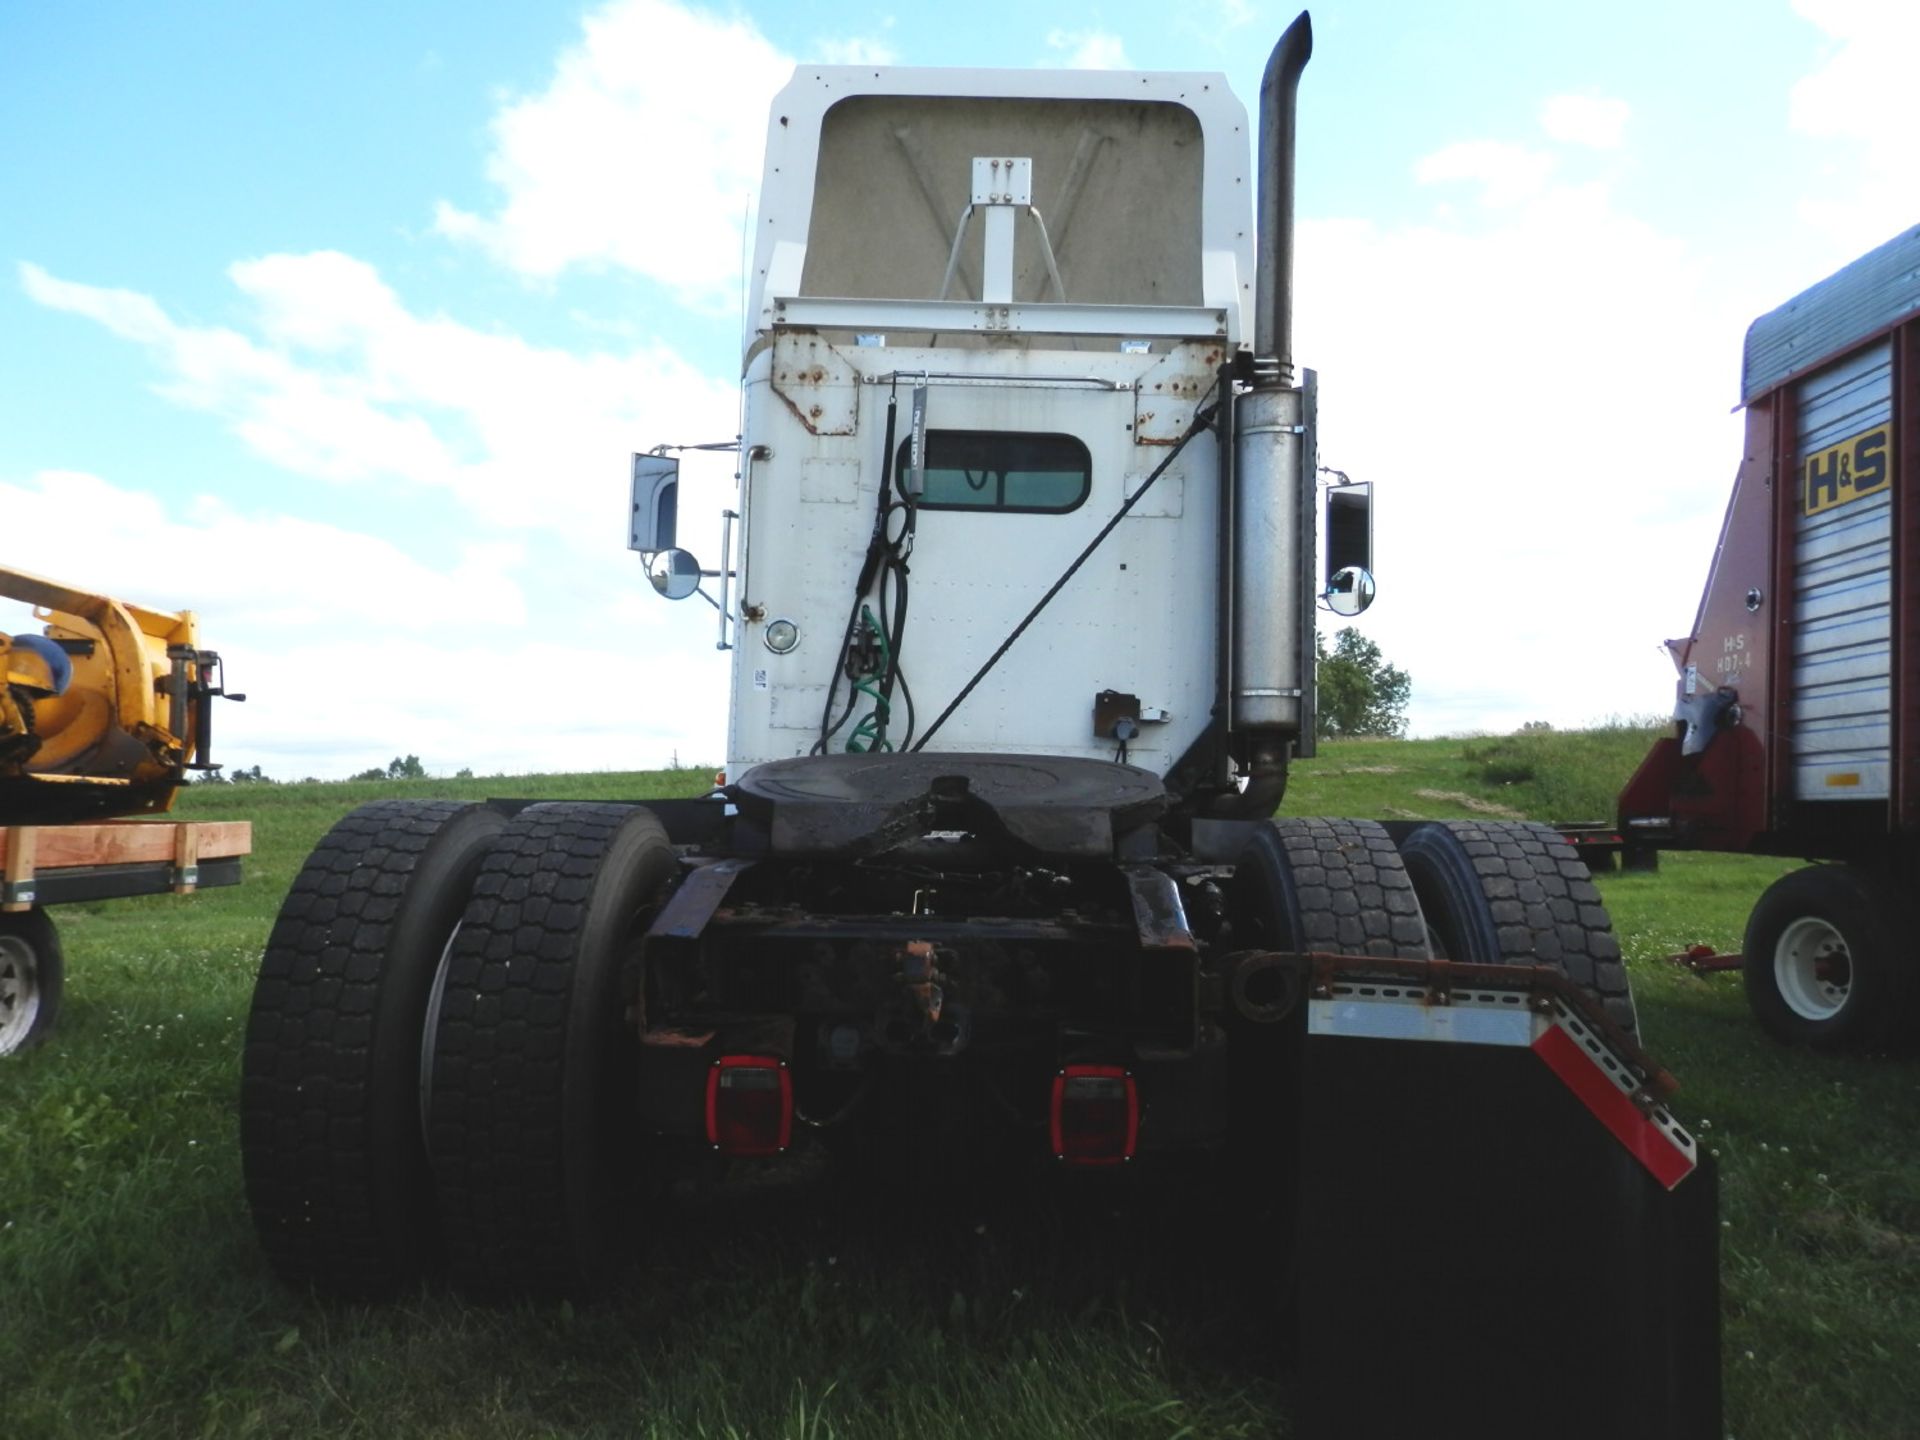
<point>871,732</point>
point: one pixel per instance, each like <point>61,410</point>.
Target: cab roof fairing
<point>784,214</point>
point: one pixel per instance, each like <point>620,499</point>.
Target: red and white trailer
<point>1797,724</point>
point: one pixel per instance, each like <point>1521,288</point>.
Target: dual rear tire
<point>435,1047</point>
<point>1482,892</point>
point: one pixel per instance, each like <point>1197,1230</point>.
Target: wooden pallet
<point>48,864</point>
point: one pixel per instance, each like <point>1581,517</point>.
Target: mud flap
<point>1481,1249</point>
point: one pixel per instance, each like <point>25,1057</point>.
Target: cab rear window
<point>1002,470</point>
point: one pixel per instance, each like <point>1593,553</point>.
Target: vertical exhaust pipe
<point>1273,458</point>
<point>1273,276</point>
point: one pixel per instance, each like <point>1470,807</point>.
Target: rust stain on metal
<point>817,384</point>
<point>667,1038</point>
<point>920,971</point>
<point>1181,377</point>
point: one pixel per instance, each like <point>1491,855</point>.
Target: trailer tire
<point>32,976</point>
<point>331,1145</point>
<point>1516,893</point>
<point>1841,921</point>
<point>534,1072</point>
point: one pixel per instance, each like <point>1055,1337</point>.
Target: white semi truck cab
<point>1022,470</point>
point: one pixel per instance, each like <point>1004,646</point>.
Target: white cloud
<point>1507,174</point>
<point>340,381</point>
<point>537,645</point>
<point>278,569</point>
<point>1861,95</point>
<point>1539,388</point>
<point>352,649</point>
<point>1090,49</point>
<point>857,50</point>
<point>1595,121</point>
<point>640,153</point>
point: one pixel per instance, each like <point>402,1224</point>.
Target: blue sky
<point>337,323</point>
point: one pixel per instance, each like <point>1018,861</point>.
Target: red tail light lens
<point>1095,1115</point>
<point>749,1105</point>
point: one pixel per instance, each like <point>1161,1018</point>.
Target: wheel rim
<point>1813,969</point>
<point>19,992</point>
<point>430,1029</point>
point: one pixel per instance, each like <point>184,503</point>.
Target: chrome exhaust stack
<point>1273,562</point>
<point>1273,277</point>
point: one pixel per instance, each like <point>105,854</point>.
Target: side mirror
<point>1349,529</point>
<point>656,504</point>
<point>1348,591</point>
<point>674,573</point>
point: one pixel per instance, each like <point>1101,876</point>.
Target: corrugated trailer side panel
<point>1906,434</point>
<point>1839,367</point>
<point>1840,705</point>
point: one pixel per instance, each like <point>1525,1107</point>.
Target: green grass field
<point>133,1300</point>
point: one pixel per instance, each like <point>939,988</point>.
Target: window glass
<point>996,470</point>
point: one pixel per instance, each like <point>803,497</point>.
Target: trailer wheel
<point>31,978</point>
<point>1514,893</point>
<point>534,1068</point>
<point>1822,964</point>
<point>330,1139</point>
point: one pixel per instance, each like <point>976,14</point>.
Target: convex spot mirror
<point>1348,591</point>
<point>674,573</point>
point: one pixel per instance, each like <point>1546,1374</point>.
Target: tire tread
<point>307,1090</point>
<point>1354,895</point>
<point>1545,907</point>
<point>499,1153</point>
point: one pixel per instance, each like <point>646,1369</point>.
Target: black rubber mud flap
<point>1481,1255</point>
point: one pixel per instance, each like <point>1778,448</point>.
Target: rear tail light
<point>749,1105</point>
<point>1095,1115</point>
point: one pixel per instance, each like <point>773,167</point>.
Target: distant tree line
<point>401,767</point>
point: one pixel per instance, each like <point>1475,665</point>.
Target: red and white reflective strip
<point>1574,1050</point>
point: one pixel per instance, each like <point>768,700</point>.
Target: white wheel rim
<point>1813,969</point>
<point>19,992</point>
